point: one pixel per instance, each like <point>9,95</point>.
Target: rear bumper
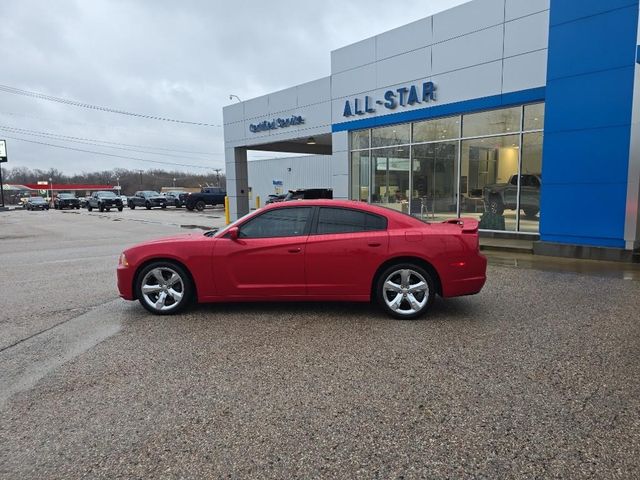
<point>467,279</point>
<point>125,282</point>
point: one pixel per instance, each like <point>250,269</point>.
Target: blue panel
<point>496,101</point>
<point>567,10</point>
<point>602,99</point>
<point>590,80</point>
<point>591,45</point>
<point>583,210</point>
<point>587,156</point>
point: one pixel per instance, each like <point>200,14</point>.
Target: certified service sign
<point>3,151</point>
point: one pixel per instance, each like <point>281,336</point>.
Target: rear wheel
<point>120,209</point>
<point>147,205</point>
<point>164,288</point>
<point>89,207</point>
<point>132,206</point>
<point>101,207</point>
<point>405,291</point>
<point>530,212</point>
<point>200,205</point>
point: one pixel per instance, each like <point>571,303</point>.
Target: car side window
<point>283,222</point>
<point>344,220</point>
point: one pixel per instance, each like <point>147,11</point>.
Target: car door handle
<point>295,250</point>
<point>374,244</point>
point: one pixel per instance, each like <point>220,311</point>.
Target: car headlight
<point>123,260</point>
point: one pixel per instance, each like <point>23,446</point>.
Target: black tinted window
<point>284,222</point>
<point>342,220</point>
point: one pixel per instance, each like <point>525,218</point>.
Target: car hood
<point>183,237</point>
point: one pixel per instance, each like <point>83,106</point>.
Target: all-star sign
<point>3,151</point>
<point>402,97</point>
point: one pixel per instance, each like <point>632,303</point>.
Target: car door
<point>343,252</point>
<point>267,258</point>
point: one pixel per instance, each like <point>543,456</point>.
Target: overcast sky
<point>166,58</point>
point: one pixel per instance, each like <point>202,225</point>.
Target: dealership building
<point>520,113</point>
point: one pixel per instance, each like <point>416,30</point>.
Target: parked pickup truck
<point>502,196</point>
<point>207,196</point>
<point>147,199</point>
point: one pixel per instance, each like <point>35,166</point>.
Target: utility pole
<point>217,170</point>
<point>140,178</point>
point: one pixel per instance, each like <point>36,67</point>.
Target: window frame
<point>316,220</point>
<point>305,232</point>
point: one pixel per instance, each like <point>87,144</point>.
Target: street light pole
<point>50,191</point>
<point>174,182</point>
<point>217,170</point>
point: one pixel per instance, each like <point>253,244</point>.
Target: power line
<point>75,103</point>
<point>88,141</point>
<point>109,154</point>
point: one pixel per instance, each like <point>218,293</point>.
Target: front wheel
<point>89,207</point>
<point>132,206</point>
<point>530,212</point>
<point>120,209</point>
<point>147,205</point>
<point>200,205</point>
<point>164,288</point>
<point>405,291</point>
<point>101,207</point>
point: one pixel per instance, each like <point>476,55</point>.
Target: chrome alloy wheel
<point>162,289</point>
<point>405,292</point>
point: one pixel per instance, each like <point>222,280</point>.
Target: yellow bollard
<point>257,202</point>
<point>227,216</point>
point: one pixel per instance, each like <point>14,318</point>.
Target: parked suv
<point>104,201</point>
<point>502,196</point>
<point>147,199</point>
<point>66,200</point>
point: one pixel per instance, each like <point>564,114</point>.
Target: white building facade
<point>521,113</point>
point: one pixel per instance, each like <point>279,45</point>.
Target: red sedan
<point>316,250</point>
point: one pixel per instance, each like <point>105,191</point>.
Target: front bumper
<point>125,282</point>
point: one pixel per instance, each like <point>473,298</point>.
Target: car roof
<point>353,204</point>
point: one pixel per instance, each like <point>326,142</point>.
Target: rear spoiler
<point>468,225</point>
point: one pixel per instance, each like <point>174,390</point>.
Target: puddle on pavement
<point>624,271</point>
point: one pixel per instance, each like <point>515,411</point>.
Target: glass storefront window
<point>391,177</point>
<point>360,175</point>
<point>389,136</point>
<point>531,182</point>
<point>485,165</point>
<point>359,139</point>
<point>489,181</point>
<point>534,116</point>
<point>435,181</point>
<point>436,130</point>
<point>505,120</point>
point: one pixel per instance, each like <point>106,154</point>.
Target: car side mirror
<point>233,233</point>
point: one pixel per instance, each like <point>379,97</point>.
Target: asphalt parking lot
<point>536,377</point>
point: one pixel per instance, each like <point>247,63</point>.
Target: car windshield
<point>107,194</point>
<point>151,193</point>
<point>37,200</point>
<point>66,195</point>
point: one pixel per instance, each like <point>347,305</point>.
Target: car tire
<point>108,209</point>
<point>405,291</point>
<point>190,208</point>
<point>178,205</point>
<point>101,207</point>
<point>200,205</point>
<point>147,205</point>
<point>89,207</point>
<point>163,206</point>
<point>132,207</point>
<point>158,293</point>
<point>120,209</point>
<point>530,212</point>
<point>495,205</point>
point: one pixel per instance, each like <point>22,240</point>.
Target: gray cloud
<point>166,58</point>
